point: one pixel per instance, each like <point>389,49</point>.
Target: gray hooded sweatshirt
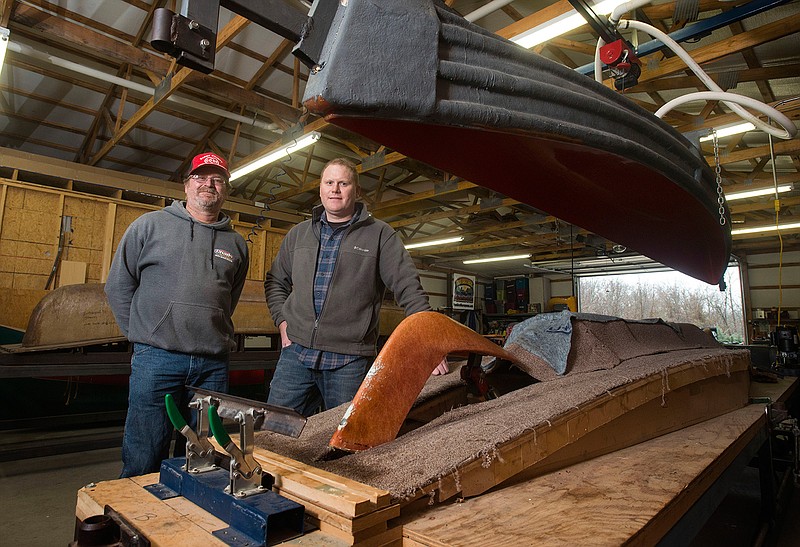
<point>174,282</point>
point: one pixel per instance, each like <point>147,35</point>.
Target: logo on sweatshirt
<point>357,248</point>
<point>223,254</point>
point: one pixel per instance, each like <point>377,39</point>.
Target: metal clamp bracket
<point>245,472</point>
<point>200,456</point>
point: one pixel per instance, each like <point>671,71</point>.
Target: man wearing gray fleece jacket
<point>174,283</point>
<point>324,292</point>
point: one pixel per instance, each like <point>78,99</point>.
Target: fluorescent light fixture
<point>297,144</point>
<point>444,241</point>
<point>561,25</point>
<point>766,191</point>
<point>772,228</point>
<point>4,35</point>
<point>730,130</point>
<point>496,259</point>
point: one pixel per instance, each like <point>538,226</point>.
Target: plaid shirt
<point>329,240</point>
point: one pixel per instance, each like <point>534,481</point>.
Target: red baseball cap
<point>210,159</point>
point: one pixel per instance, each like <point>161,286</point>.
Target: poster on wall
<point>463,292</point>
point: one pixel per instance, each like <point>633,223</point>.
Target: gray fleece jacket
<point>371,258</point>
<point>174,282</point>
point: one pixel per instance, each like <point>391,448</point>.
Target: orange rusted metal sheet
<point>400,371</point>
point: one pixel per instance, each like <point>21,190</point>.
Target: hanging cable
<point>66,226</point>
<point>262,215</point>
<point>777,203</point>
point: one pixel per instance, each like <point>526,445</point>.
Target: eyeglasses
<point>215,179</point>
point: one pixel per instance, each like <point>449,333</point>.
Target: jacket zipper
<point>333,275</point>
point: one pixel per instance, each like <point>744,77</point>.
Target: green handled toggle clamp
<point>200,455</point>
<point>245,472</point>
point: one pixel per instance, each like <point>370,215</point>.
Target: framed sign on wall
<point>463,292</point>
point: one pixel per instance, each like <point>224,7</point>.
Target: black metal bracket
<point>192,41</point>
<point>191,36</point>
<point>600,24</point>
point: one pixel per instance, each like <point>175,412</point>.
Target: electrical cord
<point>262,214</point>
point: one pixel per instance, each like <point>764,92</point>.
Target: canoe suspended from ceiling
<point>417,77</point>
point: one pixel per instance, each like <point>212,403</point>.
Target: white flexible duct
<point>598,65</point>
<point>732,99</point>
<point>28,51</point>
<point>622,9</point>
<point>717,93</point>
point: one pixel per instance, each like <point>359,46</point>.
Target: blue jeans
<point>154,373</point>
<point>307,390</point>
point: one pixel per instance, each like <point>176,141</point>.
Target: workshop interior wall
<point>436,284</point>
<point>771,293</point>
<point>561,287</point>
<point>772,282</point>
<point>30,226</point>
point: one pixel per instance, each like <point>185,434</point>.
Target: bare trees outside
<point>670,296</point>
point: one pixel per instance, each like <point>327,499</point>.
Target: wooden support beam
<point>459,211</point>
<point>791,70</point>
<point>781,148</point>
<point>723,48</point>
<point>29,20</point>
<point>397,206</point>
<point>168,86</point>
<point>118,180</point>
<point>528,241</point>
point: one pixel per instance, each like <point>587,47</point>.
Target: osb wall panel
<point>31,223</point>
<point>125,215</point>
<point>273,246</point>
<point>261,256</point>
<point>86,240</point>
<point>28,237</point>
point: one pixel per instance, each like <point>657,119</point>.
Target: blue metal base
<point>257,520</point>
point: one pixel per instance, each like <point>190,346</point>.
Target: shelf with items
<point>764,322</point>
<point>504,296</point>
<point>497,325</point>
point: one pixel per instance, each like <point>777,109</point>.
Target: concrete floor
<point>38,498</point>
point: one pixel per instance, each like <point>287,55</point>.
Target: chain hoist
<point>718,175</point>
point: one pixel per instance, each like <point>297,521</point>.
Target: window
<point>671,296</point>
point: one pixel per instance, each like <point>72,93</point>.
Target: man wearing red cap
<point>174,283</point>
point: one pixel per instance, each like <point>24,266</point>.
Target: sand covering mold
<point>605,355</point>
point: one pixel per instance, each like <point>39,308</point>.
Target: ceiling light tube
<point>496,259</point>
<point>766,191</point>
<point>4,35</point>
<point>432,242</point>
<point>772,228</point>
<point>729,130</point>
<point>297,144</point>
<point>561,25</point>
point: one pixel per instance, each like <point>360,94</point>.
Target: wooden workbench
<point>639,496</point>
<point>634,496</point>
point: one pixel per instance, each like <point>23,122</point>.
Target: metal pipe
<point>28,51</point>
<point>485,10</point>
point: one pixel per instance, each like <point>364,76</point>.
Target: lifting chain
<point>718,175</point>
